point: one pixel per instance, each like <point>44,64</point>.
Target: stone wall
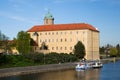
<point>34,69</point>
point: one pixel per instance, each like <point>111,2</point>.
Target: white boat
<point>80,66</point>
<point>83,66</point>
<point>97,64</point>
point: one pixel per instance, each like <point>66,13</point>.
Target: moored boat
<point>83,66</point>
<point>97,64</point>
<point>80,66</point>
<point>88,65</point>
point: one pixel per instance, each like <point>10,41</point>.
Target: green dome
<point>48,16</point>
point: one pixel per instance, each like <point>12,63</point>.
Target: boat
<point>97,64</point>
<point>88,65</point>
<point>83,66</point>
<point>80,66</point>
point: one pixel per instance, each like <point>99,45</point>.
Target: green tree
<point>113,52</point>
<point>118,49</point>
<point>23,42</point>
<point>79,50</point>
<point>102,50</point>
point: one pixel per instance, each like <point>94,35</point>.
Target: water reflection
<point>92,74</point>
<point>110,71</point>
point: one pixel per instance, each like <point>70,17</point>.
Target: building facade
<point>62,38</point>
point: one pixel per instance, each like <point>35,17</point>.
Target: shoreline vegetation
<point>43,68</point>
<point>7,61</point>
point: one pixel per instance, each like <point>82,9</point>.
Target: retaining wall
<point>34,69</point>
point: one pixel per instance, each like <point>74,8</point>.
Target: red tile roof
<point>56,27</point>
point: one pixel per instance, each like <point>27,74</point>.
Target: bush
<point>36,58</point>
<point>52,58</point>
<point>39,58</point>
<point>2,59</point>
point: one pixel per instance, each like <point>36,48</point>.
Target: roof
<point>48,16</point>
<point>57,27</point>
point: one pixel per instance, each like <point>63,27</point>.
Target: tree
<point>118,49</point>
<point>102,50</point>
<point>113,52</point>
<point>79,50</point>
<point>23,42</point>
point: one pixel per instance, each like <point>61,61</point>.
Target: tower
<point>48,19</point>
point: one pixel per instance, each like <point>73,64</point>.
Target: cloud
<point>15,17</point>
<point>18,18</point>
<point>18,1</point>
<point>22,19</point>
<point>59,1</point>
<point>63,1</point>
<point>20,5</point>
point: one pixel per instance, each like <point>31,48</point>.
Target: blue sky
<point>17,15</point>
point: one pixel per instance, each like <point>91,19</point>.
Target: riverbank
<point>34,69</point>
<point>43,68</point>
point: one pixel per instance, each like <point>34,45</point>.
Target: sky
<point>17,15</point>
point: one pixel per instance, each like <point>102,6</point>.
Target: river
<point>110,71</point>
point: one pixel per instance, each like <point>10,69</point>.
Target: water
<point>110,71</point>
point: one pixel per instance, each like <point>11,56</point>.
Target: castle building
<point>62,38</point>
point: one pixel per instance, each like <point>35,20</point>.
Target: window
<point>49,40</point>
<point>60,48</point>
<point>52,33</point>
<point>56,40</point>
<point>65,32</point>
<point>83,32</point>
<point>56,48</point>
<point>65,39</point>
<point>45,33</point>
<point>52,48</point>
<point>52,40</point>
<point>45,40</point>
<point>46,21</point>
<point>65,48</point>
<point>40,33</point>
<point>57,33</point>
<point>61,40</point>
<point>77,32</point>
<point>70,48</point>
